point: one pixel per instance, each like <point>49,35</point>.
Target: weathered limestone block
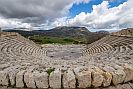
<point>110,87</point>
<point>123,86</point>
<point>126,86</point>
<point>2,66</point>
<point>29,80</point>
<point>4,87</point>
<point>118,76</point>
<point>129,72</point>
<point>41,79</point>
<point>11,88</point>
<point>115,66</point>
<point>118,86</point>
<point>55,79</point>
<point>84,77</point>
<point>20,78</point>
<point>69,80</point>
<point>12,71</point>
<point>30,68</point>
<point>131,85</point>
<point>12,76</point>
<point>0,87</point>
<point>107,79</point>
<point>97,77</point>
<point>4,78</point>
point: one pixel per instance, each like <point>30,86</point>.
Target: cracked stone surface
<point>84,77</point>
<point>55,79</point>
<point>20,78</point>
<point>41,79</point>
<point>69,80</point>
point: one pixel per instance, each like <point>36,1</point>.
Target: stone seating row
<point>106,44</point>
<point>27,48</point>
<point>81,77</point>
<point>109,40</point>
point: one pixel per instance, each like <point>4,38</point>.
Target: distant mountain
<point>124,32</point>
<point>79,33</point>
<point>67,31</point>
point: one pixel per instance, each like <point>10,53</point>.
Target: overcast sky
<point>46,14</point>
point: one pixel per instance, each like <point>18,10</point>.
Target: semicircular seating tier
<point>110,43</point>
<point>104,64</point>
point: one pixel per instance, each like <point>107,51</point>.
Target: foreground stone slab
<point>12,76</point>
<point>4,78</point>
<point>107,79</point>
<point>126,86</point>
<point>84,77</point>
<point>41,79</point>
<point>69,80</point>
<point>129,72</point>
<point>3,66</point>
<point>20,78</point>
<point>97,77</point>
<point>4,87</point>
<point>29,80</point>
<point>131,85</point>
<point>0,87</point>
<point>12,71</point>
<point>11,88</point>
<point>119,86</point>
<point>55,79</point>
<point>110,87</point>
<point>118,76</point>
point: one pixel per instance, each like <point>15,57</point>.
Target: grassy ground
<point>51,40</point>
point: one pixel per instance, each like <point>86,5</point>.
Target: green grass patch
<point>49,71</point>
<point>51,40</point>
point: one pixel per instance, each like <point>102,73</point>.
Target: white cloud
<point>13,23</point>
<point>102,17</point>
<point>51,13</point>
<point>36,8</point>
<point>81,1</point>
<point>33,11</point>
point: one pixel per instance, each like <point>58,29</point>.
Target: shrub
<point>49,71</point>
<point>68,40</point>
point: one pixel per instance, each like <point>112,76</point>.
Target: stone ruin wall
<point>2,34</point>
<point>104,66</point>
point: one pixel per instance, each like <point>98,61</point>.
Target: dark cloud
<point>33,8</point>
<point>34,12</point>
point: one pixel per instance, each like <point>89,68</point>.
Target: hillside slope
<point>80,34</point>
<point>124,32</point>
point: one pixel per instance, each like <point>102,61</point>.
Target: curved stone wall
<point>24,64</point>
<point>119,86</point>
